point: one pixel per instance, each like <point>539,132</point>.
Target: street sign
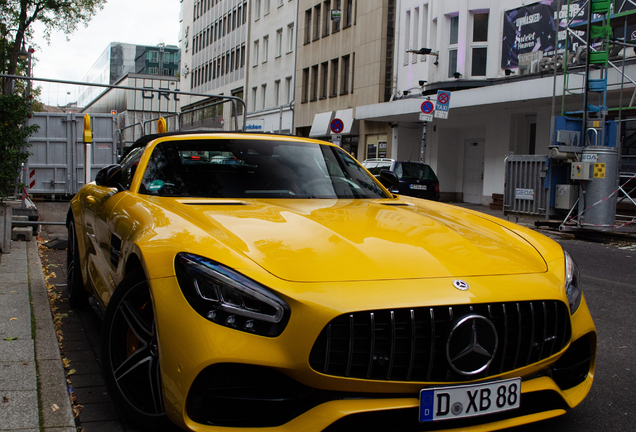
<point>443,102</point>
<point>441,114</point>
<point>337,126</point>
<point>427,107</point>
<point>426,117</point>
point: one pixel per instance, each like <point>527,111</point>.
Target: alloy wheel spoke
<point>137,360</point>
<point>154,380</point>
<point>136,322</point>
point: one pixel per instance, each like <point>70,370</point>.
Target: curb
<point>52,388</point>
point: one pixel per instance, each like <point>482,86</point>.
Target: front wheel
<point>131,356</point>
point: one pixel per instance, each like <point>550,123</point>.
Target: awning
<point>321,125</point>
<point>350,126</point>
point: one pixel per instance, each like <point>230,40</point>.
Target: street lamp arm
<point>426,51</point>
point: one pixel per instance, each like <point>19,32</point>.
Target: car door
<point>103,257</point>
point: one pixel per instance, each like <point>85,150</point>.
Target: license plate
<point>445,403</point>
<point>416,186</point>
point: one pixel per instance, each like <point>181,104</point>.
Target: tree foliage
<point>56,15</point>
<point>14,113</point>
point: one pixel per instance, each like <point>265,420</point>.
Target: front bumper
<point>216,378</point>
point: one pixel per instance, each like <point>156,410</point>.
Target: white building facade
<point>213,39</point>
<point>270,82</point>
<point>494,110</point>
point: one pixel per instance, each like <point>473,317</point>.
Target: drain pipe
<point>396,42</point>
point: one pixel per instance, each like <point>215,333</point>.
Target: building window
<point>243,55</point>
<point>280,3</point>
<point>349,14</point>
<point>288,85</point>
<point>279,42</point>
<point>265,48</point>
<point>277,92</point>
<point>254,89</point>
<point>257,10</point>
<point>244,12</point>
<point>256,47</point>
<point>479,61</point>
<point>416,34</point>
<point>267,4</point>
<point>305,94</point>
<point>264,95</point>
<point>479,51</point>
<point>238,58</point>
<point>290,38</point>
<point>452,51</point>
<point>335,25</point>
<point>314,83</point>
<point>324,82</point>
<point>454,30</point>
<point>334,77</point>
<point>424,29</point>
<point>239,106</point>
<point>232,60</point>
<point>346,64</point>
<point>316,19</point>
<point>152,56</point>
<point>407,36</point>
<point>452,62</point>
<point>308,26</point>
<point>327,18</point>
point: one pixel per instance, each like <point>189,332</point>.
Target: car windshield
<point>242,168</point>
<point>414,171</point>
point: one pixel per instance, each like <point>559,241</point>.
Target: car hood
<point>355,240</point>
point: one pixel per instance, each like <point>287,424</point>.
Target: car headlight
<point>228,298</point>
<point>572,283</point>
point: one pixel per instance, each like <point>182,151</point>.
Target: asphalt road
<point>608,273</point>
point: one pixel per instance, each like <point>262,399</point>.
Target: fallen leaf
<point>13,319</point>
<point>54,408</point>
<point>25,363</point>
<point>5,399</point>
<point>10,339</point>
<point>66,362</point>
<point>71,372</point>
<point>77,409</point>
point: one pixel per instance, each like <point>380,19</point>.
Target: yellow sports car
<point>270,283</point>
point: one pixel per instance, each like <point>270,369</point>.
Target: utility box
<point>566,196</point>
<point>580,170</point>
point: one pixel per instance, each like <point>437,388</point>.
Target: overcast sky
<point>142,22</point>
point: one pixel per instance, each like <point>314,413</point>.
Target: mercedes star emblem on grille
<point>471,345</point>
<point>460,285</point>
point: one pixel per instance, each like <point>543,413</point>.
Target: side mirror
<point>388,178</point>
<point>110,176</point>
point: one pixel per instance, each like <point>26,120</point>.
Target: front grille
<point>411,344</point>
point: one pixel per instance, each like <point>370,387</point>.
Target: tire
<point>76,292</point>
<point>130,356</point>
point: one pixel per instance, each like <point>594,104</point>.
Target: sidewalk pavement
<point>33,392</point>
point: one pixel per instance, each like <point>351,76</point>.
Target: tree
<point>61,15</point>
<point>14,112</point>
